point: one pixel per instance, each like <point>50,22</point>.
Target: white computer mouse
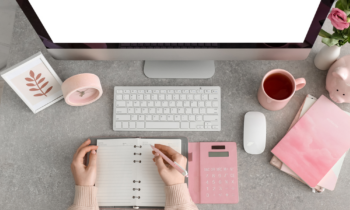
<point>254,137</point>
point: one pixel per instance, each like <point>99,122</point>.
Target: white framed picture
<point>35,82</point>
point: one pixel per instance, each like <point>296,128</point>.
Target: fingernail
<point>156,154</point>
<point>93,152</point>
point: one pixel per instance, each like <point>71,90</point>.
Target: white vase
<point>326,57</point>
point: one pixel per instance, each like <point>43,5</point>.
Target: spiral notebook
<point>126,173</point>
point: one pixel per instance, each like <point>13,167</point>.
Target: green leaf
<point>324,34</point>
<point>347,12</point>
<point>345,4</point>
<point>339,5</point>
<point>337,36</point>
<point>329,41</point>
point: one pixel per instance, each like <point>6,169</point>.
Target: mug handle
<point>299,83</point>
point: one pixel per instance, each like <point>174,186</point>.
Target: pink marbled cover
<point>315,144</point>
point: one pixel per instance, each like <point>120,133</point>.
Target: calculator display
<point>218,154</point>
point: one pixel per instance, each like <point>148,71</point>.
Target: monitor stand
<point>179,69</point>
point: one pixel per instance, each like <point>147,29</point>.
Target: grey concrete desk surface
<point>36,149</point>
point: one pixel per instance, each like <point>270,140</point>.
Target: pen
<point>173,164</point>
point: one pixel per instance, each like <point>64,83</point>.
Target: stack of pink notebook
<point>315,144</point>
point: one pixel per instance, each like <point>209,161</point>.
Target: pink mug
<point>275,104</point>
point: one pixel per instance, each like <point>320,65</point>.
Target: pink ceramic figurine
<point>338,80</point>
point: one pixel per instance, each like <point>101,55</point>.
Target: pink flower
<point>338,19</point>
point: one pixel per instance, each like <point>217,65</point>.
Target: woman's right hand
<point>169,175</point>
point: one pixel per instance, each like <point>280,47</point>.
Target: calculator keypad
<point>219,184</point>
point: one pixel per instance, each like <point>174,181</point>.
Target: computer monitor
<point>194,32</point>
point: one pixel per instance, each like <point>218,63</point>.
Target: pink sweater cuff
<point>177,195</point>
<point>85,196</point>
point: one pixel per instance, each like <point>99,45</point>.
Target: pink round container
<point>82,89</point>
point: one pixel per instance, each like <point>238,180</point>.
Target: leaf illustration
<point>48,90</point>
<point>38,88</point>
<point>31,73</point>
<point>41,80</point>
<point>29,80</point>
<point>44,85</point>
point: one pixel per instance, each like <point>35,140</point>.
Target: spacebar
<point>162,125</point>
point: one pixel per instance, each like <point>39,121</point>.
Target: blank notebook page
<point>116,172</point>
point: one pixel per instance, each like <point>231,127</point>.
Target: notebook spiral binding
<point>137,181</point>
<point>135,161</point>
<point>138,197</point>
<point>135,146</point>
<point>139,189</point>
<point>137,153</point>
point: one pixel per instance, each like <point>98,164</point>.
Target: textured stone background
<point>36,150</point>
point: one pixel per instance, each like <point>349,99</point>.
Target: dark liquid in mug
<point>278,86</point>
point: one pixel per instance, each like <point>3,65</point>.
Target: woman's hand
<point>169,175</point>
<point>84,175</point>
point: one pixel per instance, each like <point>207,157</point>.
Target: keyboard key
<point>169,97</point>
<point>133,91</point>
<point>187,104</point>
<point>122,117</point>
<point>140,125</point>
<point>129,104</point>
<point>201,104</point>
<point>179,104</point>
<point>138,110</point>
<point>119,91</point>
<point>200,91</point>
<point>193,91</point>
<point>147,97</point>
<point>185,91</point>
<point>150,104</point>
<point>208,103</point>
<point>154,97</point>
<point>215,103</point>
<point>140,97</point>
<point>166,110</point>
<point>202,111</point>
<point>170,91</point>
<point>161,97</point>
<point>165,103</point>
<point>185,125</point>
<point>118,125</point>
<point>152,110</point>
<point>141,91</point>
<point>170,117</point>
<point>159,110</point>
<point>157,104</point>
<point>162,117</point>
<point>133,97</point>
<point>172,103</point>
<point>211,118</point>
<point>149,118</point>
<point>181,110</point>
<point>125,125</point>
<point>176,97</point>
<point>177,118</point>
<point>214,91</point>
<point>163,125</point>
<point>120,103</point>
<point>213,97</point>
<point>190,97</point>
<point>183,97</point>
<point>155,117</point>
<point>184,117</point>
<point>163,91</point>
<point>195,110</point>
<point>205,97</point>
<point>194,104</point>
<point>144,110</point>
<point>148,91</point>
<point>126,91</point>
<point>188,111</point>
<point>121,110</point>
<point>131,110</point>
<point>197,97</point>
<point>173,110</point>
<point>199,117</point>
<point>143,104</point>
<point>134,117</point>
<point>136,103</point>
<point>207,91</point>
<point>132,124</point>
<point>119,97</point>
<point>212,111</point>
<point>177,91</point>
<point>155,91</point>
<point>141,117</point>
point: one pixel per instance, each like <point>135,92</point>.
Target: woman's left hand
<point>85,175</point>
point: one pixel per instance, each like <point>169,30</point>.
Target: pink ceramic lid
<point>82,89</point>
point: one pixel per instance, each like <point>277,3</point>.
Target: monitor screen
<point>181,21</point>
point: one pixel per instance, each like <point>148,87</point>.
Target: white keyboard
<point>164,108</point>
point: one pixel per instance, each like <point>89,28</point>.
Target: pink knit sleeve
<point>178,198</point>
<point>85,198</point>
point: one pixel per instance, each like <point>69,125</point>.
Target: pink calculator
<point>212,172</point>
